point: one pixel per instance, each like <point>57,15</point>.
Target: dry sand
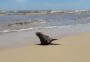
<point>72,49</point>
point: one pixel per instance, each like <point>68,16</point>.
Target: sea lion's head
<point>39,34</point>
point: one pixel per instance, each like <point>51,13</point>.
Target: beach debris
<point>45,39</point>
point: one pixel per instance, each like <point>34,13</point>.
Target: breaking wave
<point>37,28</point>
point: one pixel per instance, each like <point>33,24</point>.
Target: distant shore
<point>39,12</point>
<point>23,14</point>
<point>36,13</point>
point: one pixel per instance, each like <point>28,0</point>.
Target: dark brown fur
<point>44,39</point>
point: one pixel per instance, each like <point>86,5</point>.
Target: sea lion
<point>44,39</point>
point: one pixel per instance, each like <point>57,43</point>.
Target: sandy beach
<point>74,48</point>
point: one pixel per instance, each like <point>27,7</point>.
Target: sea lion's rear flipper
<point>54,39</point>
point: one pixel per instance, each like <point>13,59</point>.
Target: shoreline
<point>20,38</point>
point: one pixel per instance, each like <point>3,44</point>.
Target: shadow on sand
<point>48,45</point>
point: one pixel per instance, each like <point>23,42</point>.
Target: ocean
<point>16,30</point>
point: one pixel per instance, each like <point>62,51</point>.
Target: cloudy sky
<point>44,4</point>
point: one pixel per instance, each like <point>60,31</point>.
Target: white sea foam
<point>46,27</point>
<point>6,31</point>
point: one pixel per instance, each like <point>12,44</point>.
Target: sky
<point>44,4</point>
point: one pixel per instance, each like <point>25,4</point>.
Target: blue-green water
<point>42,21</point>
